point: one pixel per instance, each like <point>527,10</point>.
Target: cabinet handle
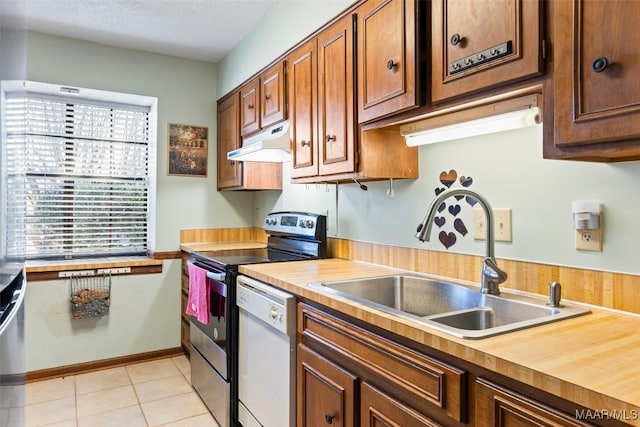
<point>329,418</point>
<point>392,65</point>
<point>599,64</point>
<point>250,106</point>
<point>331,138</point>
<point>456,39</point>
<point>304,143</point>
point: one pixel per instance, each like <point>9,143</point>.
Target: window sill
<point>61,269</point>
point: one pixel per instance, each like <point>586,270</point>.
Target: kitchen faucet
<point>492,275</point>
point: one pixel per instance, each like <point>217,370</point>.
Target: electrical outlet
<point>501,226</point>
<point>589,240</point>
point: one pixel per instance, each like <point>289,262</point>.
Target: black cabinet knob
<point>250,106</point>
<point>456,39</point>
<point>304,143</point>
<point>391,65</point>
<point>267,97</point>
<point>330,138</point>
<point>599,64</point>
<point>328,418</point>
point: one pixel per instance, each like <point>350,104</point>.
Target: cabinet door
<point>336,98</point>
<point>229,171</point>
<point>249,108</point>
<point>302,85</point>
<point>326,392</point>
<point>387,57</point>
<point>377,409</point>
<point>272,96</point>
<point>500,407</point>
<point>479,44</point>
<point>596,68</point>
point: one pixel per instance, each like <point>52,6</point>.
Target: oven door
<point>212,340</point>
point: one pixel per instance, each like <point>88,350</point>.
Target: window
<point>81,172</point>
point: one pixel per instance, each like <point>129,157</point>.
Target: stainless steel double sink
<point>451,308</point>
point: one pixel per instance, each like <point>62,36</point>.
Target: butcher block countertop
<point>592,360</point>
<point>221,246</point>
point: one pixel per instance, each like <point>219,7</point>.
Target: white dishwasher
<point>266,355</point>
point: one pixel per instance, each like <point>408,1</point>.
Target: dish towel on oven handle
<point>198,301</point>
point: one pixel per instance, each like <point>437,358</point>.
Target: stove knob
<point>267,221</point>
<point>301,224</point>
<point>309,223</point>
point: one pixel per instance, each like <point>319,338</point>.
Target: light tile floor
<point>156,393</point>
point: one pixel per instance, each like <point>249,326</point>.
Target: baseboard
<point>97,365</point>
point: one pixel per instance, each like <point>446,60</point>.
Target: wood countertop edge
<point>88,264</point>
<point>488,353</point>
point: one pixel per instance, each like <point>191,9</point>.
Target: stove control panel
<point>300,224</point>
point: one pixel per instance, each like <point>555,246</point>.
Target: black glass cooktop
<point>235,257</point>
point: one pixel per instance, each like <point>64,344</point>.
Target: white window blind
<point>78,171</point>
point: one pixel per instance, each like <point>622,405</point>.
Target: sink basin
<point>455,309</point>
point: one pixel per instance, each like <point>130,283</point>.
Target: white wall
<point>284,25</point>
<point>145,309</point>
<point>507,168</point>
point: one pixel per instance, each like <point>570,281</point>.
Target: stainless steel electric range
<point>293,236</point>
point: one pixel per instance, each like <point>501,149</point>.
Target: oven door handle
<point>219,277</point>
<point>210,274</point>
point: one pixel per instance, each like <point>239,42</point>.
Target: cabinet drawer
<point>432,383</point>
<point>498,406</point>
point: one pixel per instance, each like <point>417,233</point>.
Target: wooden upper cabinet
<point>272,95</point>
<point>480,44</point>
<point>389,51</point>
<point>232,174</point>
<point>596,66</point>
<point>336,119</point>
<point>249,108</point>
<point>263,100</point>
<point>229,171</point>
<point>302,85</point>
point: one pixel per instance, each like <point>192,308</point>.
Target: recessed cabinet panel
<point>377,409</point>
<point>596,69</point>
<point>229,171</point>
<point>336,98</point>
<point>302,86</point>
<point>480,44</point>
<point>326,392</point>
<point>249,108</point>
<point>387,58</point>
<point>272,95</point>
<point>499,407</point>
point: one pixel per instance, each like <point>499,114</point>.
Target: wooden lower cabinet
<point>377,409</point>
<point>326,392</point>
<point>501,407</point>
<point>185,323</point>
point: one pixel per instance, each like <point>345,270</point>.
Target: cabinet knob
<point>304,143</point>
<point>267,97</point>
<point>331,138</point>
<point>232,162</point>
<point>250,106</point>
<point>456,39</point>
<point>599,64</point>
<point>391,65</point>
<point>329,418</point>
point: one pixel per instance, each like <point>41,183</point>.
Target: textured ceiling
<point>197,29</point>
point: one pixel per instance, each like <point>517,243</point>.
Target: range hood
<point>272,144</point>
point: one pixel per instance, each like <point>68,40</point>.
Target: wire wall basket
<point>90,296</point>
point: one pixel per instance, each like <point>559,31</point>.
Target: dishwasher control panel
<point>268,304</point>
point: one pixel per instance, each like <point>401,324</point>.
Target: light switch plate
<point>502,224</point>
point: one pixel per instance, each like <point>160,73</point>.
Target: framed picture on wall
<point>188,150</point>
